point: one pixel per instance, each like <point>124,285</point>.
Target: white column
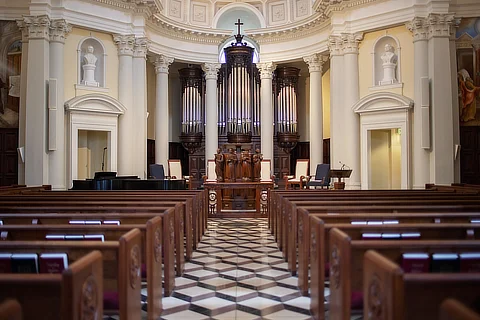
<point>266,109</point>
<point>421,154</point>
<point>442,155</point>
<point>57,176</point>
<point>351,93</point>
<point>337,147</point>
<point>315,64</point>
<point>455,106</point>
<point>161,63</point>
<point>126,133</point>
<point>211,119</point>
<point>140,106</point>
<point>23,94</point>
<point>36,158</point>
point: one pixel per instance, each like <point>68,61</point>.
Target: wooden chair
<point>175,171</point>
<point>321,178</point>
<point>301,174</point>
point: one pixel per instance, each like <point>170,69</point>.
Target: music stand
<point>339,174</point>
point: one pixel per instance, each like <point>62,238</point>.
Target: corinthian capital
<point>140,47</point>
<point>161,63</point>
<point>266,69</point>
<point>351,41</point>
<point>125,44</point>
<point>335,45</point>
<point>315,62</point>
<point>419,29</point>
<point>441,25</point>
<point>37,27</point>
<point>211,70</point>
<point>59,29</point>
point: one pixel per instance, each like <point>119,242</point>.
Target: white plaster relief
<point>175,9</point>
<point>199,13</point>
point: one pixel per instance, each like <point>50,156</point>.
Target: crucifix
<point>238,24</point>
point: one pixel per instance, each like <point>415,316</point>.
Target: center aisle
<point>237,272</point>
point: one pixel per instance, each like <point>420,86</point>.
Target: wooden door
<point>470,154</point>
<point>8,156</point>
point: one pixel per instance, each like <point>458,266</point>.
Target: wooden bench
<point>346,266</point>
<point>10,309</point>
<point>121,267</point>
<point>75,294</point>
<point>391,294</point>
<point>151,246</point>
<point>452,309</point>
<point>304,226</point>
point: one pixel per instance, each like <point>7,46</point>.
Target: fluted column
<point>36,157</point>
<point>211,119</point>
<point>140,116</point>
<point>125,44</point>
<point>57,177</point>
<point>266,108</point>
<point>421,154</point>
<point>442,154</point>
<point>351,96</point>
<point>23,94</point>
<point>337,147</point>
<point>315,64</point>
<point>161,63</point>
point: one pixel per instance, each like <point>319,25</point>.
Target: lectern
<point>339,174</point>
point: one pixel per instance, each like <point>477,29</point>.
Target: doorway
<point>384,154</point>
<point>93,153</point>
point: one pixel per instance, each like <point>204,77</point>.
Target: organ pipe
<point>193,100</point>
<point>285,88</point>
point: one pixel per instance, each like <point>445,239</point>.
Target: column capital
<point>161,63</point>
<point>125,44</point>
<point>36,27</point>
<point>314,62</point>
<point>59,29</point>
<point>441,25</point>
<point>419,29</point>
<point>335,45</point>
<point>266,69</point>
<point>351,42</point>
<point>140,47</point>
<point>211,70</point>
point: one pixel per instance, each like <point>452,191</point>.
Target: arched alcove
<point>226,17</point>
<point>96,114</point>
<point>91,54</point>
<point>386,65</point>
<point>385,111</point>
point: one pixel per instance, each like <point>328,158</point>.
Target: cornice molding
<point>211,70</point>
<point>146,7</point>
<point>328,7</point>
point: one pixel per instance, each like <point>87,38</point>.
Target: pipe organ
<point>193,100</point>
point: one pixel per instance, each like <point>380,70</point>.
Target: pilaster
<point>125,45</point>
<point>161,63</point>
<point>315,66</point>
<point>211,126</point>
<point>59,29</point>
<point>266,113</point>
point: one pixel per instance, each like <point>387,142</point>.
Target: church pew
<point>176,222</point>
<point>391,294</point>
<point>75,294</point>
<point>46,220</point>
<point>452,309</point>
<point>151,235</point>
<point>454,187</point>
<point>289,222</point>
<point>10,309</point>
<point>346,266</point>
<point>121,266</point>
<point>185,219</point>
<point>304,229</point>
<point>20,189</point>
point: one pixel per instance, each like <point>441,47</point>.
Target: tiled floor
<point>237,272</point>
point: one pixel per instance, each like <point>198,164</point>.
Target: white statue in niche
<point>390,60</point>
<point>89,64</point>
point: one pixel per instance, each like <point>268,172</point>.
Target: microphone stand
<point>103,159</point>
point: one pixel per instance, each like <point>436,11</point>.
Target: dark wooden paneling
<point>177,151</point>
<point>470,155</point>
<point>8,156</point>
